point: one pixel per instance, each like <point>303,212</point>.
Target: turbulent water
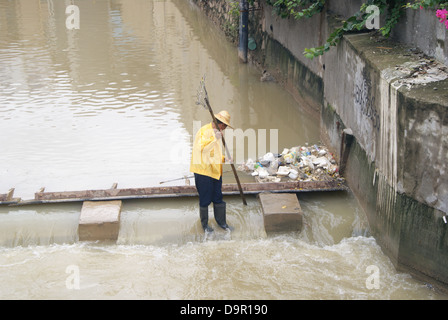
<point>114,101</point>
<point>162,254</point>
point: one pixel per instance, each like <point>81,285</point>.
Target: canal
<point>107,94</point>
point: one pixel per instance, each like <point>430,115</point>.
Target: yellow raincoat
<point>207,158</point>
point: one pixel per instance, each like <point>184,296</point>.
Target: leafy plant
<point>299,9</point>
<point>427,4</point>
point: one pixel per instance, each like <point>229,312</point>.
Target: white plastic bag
<point>262,172</point>
<point>250,164</point>
<point>273,166</point>
<point>268,157</point>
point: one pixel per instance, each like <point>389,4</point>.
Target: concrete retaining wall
<point>397,166</point>
<point>398,163</point>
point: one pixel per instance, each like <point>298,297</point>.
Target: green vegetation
<point>299,9</point>
<point>231,26</point>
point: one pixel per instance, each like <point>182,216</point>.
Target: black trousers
<point>209,189</point>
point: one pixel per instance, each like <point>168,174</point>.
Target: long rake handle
<point>227,150</point>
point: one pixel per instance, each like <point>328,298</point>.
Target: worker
<point>206,164</point>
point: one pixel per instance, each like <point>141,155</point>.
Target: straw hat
<point>224,117</point>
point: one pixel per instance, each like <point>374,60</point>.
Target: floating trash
<point>301,163</point>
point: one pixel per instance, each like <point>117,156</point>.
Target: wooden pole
<point>225,146</point>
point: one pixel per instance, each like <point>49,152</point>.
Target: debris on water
<point>301,163</point>
<point>429,286</point>
<point>267,77</point>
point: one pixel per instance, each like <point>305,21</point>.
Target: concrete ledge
<point>99,220</point>
<point>281,212</point>
<point>395,100</point>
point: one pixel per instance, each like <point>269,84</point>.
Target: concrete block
<point>281,212</point>
<point>99,220</point>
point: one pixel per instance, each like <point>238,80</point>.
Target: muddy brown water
<point>114,101</point>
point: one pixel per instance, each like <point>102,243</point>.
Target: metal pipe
<point>243,31</point>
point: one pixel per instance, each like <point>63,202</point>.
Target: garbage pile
<point>302,163</point>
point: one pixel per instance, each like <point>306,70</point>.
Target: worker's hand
<point>218,134</point>
<point>229,159</point>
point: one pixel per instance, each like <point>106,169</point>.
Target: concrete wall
<point>416,28</point>
<point>400,125</point>
<point>397,167</point>
<point>421,29</point>
<point>398,163</point>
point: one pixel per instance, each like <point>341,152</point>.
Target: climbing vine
<point>231,26</point>
<point>299,9</point>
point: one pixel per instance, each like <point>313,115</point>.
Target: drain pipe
<point>243,31</point>
<point>346,142</point>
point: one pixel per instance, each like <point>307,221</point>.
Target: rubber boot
<point>203,214</point>
<point>219,210</point>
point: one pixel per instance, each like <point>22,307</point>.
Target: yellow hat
<point>224,117</point>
